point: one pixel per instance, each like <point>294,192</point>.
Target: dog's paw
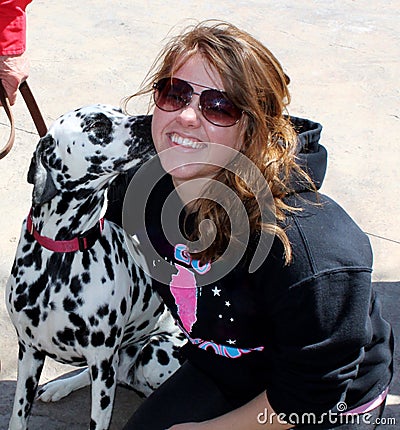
<point>53,391</point>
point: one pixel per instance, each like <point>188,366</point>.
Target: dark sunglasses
<point>172,94</point>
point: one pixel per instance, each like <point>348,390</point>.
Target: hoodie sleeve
<point>320,311</point>
<point>321,329</point>
<point>12,27</point>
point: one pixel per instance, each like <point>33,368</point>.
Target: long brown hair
<point>255,81</point>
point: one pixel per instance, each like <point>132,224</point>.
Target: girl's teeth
<point>184,141</point>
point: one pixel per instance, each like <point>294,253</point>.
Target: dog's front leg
<point>30,365</point>
<point>104,382</point>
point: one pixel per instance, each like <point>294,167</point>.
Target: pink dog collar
<point>79,243</point>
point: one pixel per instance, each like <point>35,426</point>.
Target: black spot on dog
<point>123,306</point>
<point>105,402</point>
<point>147,354</point>
<point>143,325</point>
<point>95,372</point>
<point>159,310</point>
<point>131,351</point>
<point>62,206</point>
<point>146,298</point>
<point>69,305</point>
<point>86,277</point>
<point>34,315</point>
<point>103,311</point>
<point>20,303</point>
<point>75,286</point>
<point>135,296</point>
<point>93,321</point>
<point>109,267</point>
<point>112,318</point>
<point>96,160</point>
<point>30,387</point>
<point>112,338</point>
<point>46,298</point>
<point>162,357</point>
<point>86,260</point>
<point>107,373</point>
<point>26,248</point>
<point>97,338</point>
<point>82,331</point>
<point>66,336</point>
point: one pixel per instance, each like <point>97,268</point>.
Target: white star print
<point>231,320</point>
<point>231,342</point>
<point>227,304</point>
<point>219,316</point>
<point>216,291</point>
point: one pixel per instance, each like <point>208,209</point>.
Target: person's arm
<point>14,66</point>
<point>255,415</point>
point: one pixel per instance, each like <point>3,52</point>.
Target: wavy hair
<point>254,80</point>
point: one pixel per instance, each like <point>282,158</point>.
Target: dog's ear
<point>39,175</point>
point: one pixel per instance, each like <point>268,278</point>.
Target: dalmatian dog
<point>75,293</point>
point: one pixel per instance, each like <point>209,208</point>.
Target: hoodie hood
<point>311,156</point>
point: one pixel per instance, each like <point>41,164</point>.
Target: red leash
<point>33,110</point>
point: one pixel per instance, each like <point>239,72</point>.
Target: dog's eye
<point>95,125</point>
<point>98,125</point>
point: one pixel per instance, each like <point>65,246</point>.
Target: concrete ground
<point>343,60</point>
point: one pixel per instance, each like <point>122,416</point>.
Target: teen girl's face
<point>189,146</point>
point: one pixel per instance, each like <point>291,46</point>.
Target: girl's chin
<point>182,172</point>
<point>184,162</point>
<point>187,172</point>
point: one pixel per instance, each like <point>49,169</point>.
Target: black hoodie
<point>310,333</point>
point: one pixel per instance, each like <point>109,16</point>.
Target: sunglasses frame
<point>156,87</point>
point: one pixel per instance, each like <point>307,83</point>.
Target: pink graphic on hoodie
<point>184,289</point>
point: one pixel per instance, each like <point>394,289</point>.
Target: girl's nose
<point>189,116</point>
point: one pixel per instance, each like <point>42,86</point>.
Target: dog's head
<point>86,149</point>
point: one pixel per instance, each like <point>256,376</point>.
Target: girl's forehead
<point>198,69</point>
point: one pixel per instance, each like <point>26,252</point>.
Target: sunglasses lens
<point>218,109</point>
<point>172,94</point>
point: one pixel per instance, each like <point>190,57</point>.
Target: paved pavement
<point>343,60</point>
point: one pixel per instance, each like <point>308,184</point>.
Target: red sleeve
<point>12,26</point>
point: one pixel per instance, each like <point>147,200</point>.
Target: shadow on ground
<point>71,413</point>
